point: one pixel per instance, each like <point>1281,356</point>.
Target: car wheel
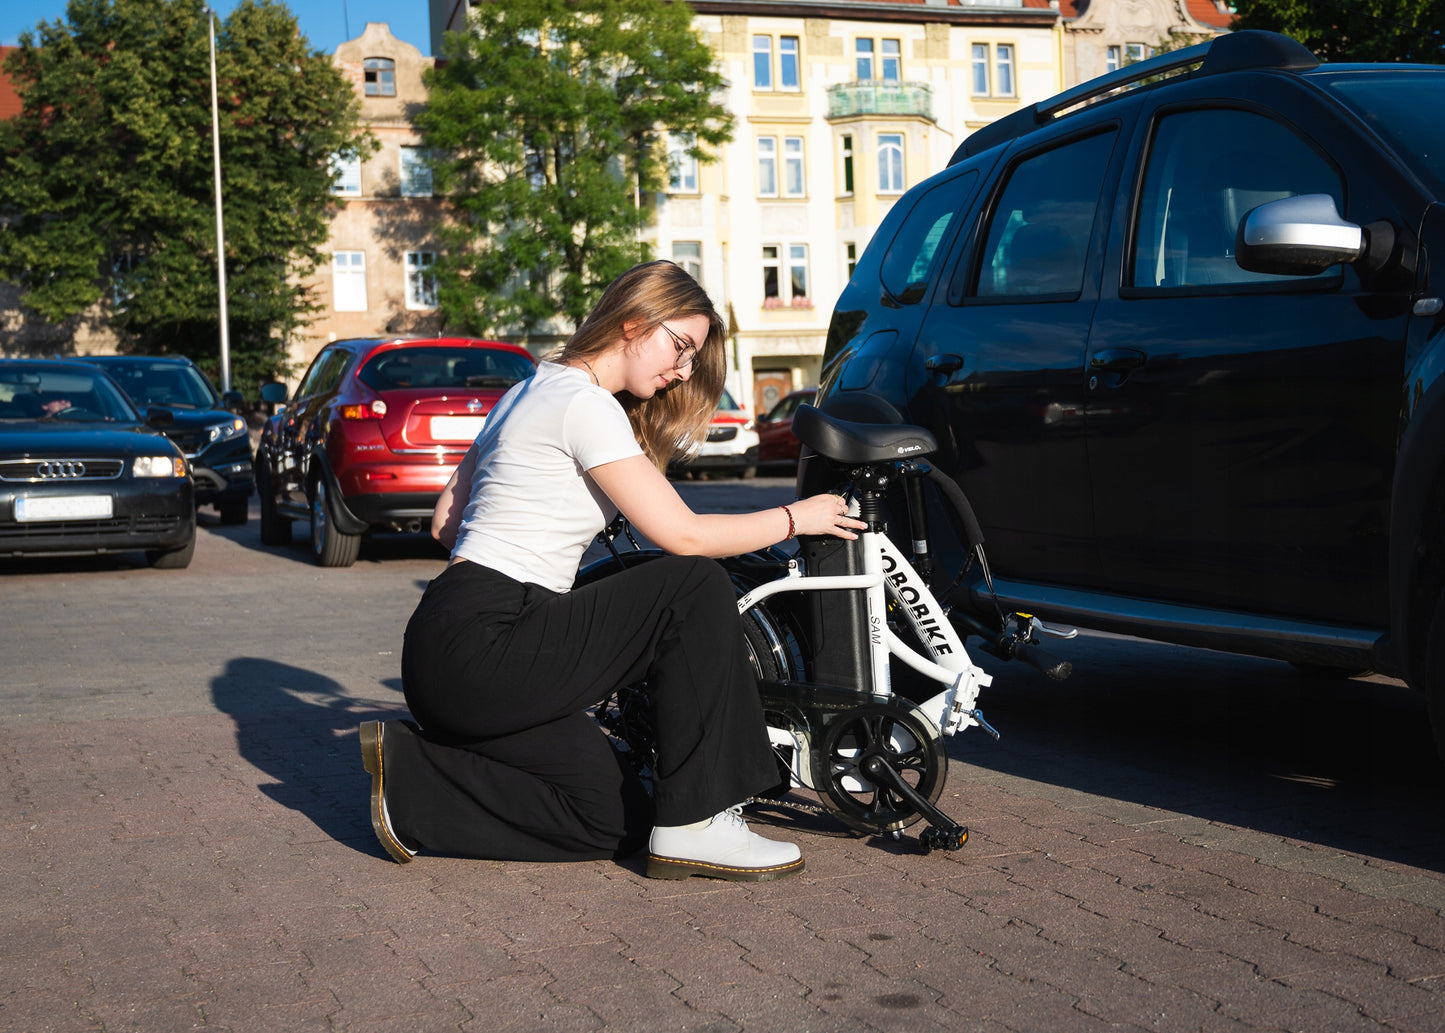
<point>331,547</point>
<point>173,559</point>
<point>1434,680</point>
<point>275,529</point>
<point>747,473</point>
<point>235,512</point>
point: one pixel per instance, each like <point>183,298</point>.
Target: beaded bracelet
<point>792,530</point>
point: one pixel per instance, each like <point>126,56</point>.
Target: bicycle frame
<point>888,575</point>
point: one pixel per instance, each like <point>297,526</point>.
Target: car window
<point>1038,236</point>
<point>726,403</point>
<point>162,383</point>
<point>784,409</point>
<point>442,366</point>
<point>908,263</point>
<point>1404,107</point>
<point>62,394</point>
<point>1206,170</point>
<point>325,372</point>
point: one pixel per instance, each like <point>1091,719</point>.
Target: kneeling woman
<point>503,656</point>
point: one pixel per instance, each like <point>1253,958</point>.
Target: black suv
<point>1179,333</point>
<point>213,437</point>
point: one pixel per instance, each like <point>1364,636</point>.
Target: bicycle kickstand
<point>942,832</point>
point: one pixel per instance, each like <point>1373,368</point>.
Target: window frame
<point>384,79</point>
<point>790,55</point>
<point>762,69</point>
<point>859,59</point>
<point>682,167</point>
<point>689,262</point>
<point>420,170</point>
<point>886,145</point>
<point>355,275</point>
<point>343,172</point>
<point>896,60</point>
<point>793,160</point>
<point>421,281</point>
<point>767,165</point>
<point>846,153</point>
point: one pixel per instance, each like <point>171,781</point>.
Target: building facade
<point>1102,35</point>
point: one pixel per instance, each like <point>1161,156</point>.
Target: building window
<point>793,178</point>
<point>1113,58</point>
<point>852,259</point>
<point>979,69</point>
<point>847,164</point>
<point>863,51</point>
<point>681,165</point>
<point>346,176</point>
<point>892,60</point>
<point>1136,52</point>
<point>788,68</point>
<point>767,166</point>
<point>688,254</point>
<point>380,75</point>
<point>421,280</point>
<point>348,287</point>
<point>890,163</point>
<point>1003,82</point>
<point>762,62</point>
<point>785,276</point>
<point>415,173</point>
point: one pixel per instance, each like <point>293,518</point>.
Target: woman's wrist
<point>792,527</point>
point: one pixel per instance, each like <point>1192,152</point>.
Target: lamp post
<point>220,224</point>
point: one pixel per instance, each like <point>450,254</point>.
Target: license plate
<point>67,507</point>
<point>456,428</point>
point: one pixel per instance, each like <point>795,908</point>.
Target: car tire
<point>331,547</point>
<point>747,473</point>
<point>173,559</point>
<point>235,513</point>
<point>275,529</point>
<point>1433,681</point>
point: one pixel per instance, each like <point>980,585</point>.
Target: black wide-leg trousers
<point>498,674</point>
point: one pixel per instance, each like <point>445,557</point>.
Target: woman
<point>502,657</point>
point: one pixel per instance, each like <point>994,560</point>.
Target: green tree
<point>549,120</point>
<point>106,189</point>
<point>1354,30</point>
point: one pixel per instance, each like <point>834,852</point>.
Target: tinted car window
<point>909,260</point>
<point>1404,107</point>
<point>1038,235</point>
<point>1206,171</point>
<point>161,383</point>
<point>325,372</point>
<point>61,394</point>
<point>443,367</point>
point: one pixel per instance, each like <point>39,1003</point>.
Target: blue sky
<point>323,22</point>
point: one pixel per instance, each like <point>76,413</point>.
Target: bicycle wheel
<point>899,734</point>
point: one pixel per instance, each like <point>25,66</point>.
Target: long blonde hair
<point>672,423</point>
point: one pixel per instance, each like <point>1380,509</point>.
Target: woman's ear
<point>629,329</point>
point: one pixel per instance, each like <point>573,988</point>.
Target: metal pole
<point>220,224</point>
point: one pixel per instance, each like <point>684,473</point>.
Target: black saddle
<point>844,441</point>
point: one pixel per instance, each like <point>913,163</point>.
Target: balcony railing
<point>846,100</point>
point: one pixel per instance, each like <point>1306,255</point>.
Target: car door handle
<point>945,364</point>
<point>1117,360</point>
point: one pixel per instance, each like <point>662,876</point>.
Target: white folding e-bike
<point>831,628</point>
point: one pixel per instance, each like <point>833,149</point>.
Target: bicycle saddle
<point>847,442</point>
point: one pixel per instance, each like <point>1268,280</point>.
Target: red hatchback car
<point>372,435</point>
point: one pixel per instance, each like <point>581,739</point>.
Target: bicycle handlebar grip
<point>1042,661</point>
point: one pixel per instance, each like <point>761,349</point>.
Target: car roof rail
<point>1230,52</point>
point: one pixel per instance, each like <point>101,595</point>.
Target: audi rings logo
<point>60,469</point>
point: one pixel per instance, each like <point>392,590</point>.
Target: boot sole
<point>679,868</point>
<point>370,736</point>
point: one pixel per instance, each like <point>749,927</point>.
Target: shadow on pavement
<point>1343,763</point>
<point>299,728</point>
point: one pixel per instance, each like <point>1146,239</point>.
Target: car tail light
<point>375,411</point>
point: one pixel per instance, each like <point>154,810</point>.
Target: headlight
<point>159,466</point>
<point>232,428</point>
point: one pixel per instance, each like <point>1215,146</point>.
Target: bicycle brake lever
<point>1051,630</point>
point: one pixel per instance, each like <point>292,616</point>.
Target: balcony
<point>849,100</point>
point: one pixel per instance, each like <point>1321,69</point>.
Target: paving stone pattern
<point>218,872</point>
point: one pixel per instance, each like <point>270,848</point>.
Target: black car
<point>82,472</point>
<point>213,437</point>
<point>1180,335</point>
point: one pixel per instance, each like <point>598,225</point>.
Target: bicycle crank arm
<point>943,832</point>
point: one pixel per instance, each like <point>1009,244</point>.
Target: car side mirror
<point>159,417</point>
<point>1298,236</point>
<point>233,401</point>
<point>274,393</point>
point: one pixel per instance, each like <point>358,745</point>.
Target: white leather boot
<point>722,847</point>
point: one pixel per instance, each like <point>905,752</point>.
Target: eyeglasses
<point>686,350</point>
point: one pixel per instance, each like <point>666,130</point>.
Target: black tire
<point>747,473</point>
<point>173,559</point>
<point>275,529</point>
<point>235,512</point>
<point>332,548</point>
<point>1433,681</point>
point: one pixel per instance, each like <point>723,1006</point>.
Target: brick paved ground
<point>186,846</point>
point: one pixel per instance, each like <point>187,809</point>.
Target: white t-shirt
<point>532,511</point>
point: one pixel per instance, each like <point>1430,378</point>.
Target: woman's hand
<point>824,514</point>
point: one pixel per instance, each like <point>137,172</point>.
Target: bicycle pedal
<point>950,837</point>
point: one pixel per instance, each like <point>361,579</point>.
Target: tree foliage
<point>1354,30</point>
<point>549,120</point>
<point>106,186</point>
